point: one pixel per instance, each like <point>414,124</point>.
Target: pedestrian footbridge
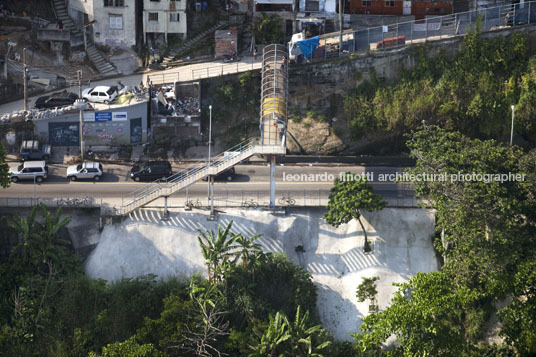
<point>272,126</point>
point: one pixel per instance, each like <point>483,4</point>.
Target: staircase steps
<point>183,179</point>
<point>103,66</point>
<point>191,42</point>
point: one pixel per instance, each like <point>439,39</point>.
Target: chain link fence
<point>222,199</point>
<point>417,31</point>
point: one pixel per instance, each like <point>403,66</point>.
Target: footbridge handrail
<point>195,172</point>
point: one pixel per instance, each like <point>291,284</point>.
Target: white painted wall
<point>144,244</point>
<point>103,34</point>
<point>85,6</point>
<point>330,5</point>
<point>164,25</point>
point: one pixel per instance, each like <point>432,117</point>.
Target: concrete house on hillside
<point>162,18</point>
<point>114,20</point>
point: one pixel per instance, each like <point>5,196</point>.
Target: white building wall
<point>329,5</point>
<point>85,6</point>
<point>77,7</point>
<point>164,25</point>
<point>105,35</point>
<point>102,29</point>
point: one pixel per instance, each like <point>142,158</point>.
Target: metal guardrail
<point>261,199</point>
<point>206,72</point>
<point>222,199</point>
<point>69,202</point>
<point>417,31</point>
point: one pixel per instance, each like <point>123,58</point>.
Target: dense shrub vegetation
<point>471,93</point>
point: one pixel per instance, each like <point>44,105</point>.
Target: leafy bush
<point>267,29</point>
<point>255,292</point>
<point>471,92</point>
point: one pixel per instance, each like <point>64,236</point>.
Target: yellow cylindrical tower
<point>274,95</point>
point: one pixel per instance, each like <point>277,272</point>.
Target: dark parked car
<point>151,170</point>
<point>56,100</point>
<point>31,150</point>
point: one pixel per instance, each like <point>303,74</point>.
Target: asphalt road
<point>115,182</point>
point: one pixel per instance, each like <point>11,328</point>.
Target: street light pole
<point>512,129</point>
<point>210,177</point>
<point>81,129</point>
<point>209,131</point>
<point>25,79</point>
<point>341,15</point>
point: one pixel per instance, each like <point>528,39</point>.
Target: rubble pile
<point>187,106</point>
<point>36,114</point>
<point>167,104</point>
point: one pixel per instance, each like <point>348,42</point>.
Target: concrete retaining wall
<point>401,240</point>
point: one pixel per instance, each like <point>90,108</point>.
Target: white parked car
<point>100,94</point>
<point>29,170</point>
<point>86,170</point>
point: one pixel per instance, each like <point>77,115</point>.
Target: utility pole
<point>25,79</point>
<point>341,11</point>
<point>81,129</point>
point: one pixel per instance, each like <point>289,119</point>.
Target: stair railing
<point>189,176</point>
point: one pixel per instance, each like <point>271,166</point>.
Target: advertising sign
<point>105,116</point>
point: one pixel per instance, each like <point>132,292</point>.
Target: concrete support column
<point>212,216</point>
<point>272,181</point>
<point>166,212</point>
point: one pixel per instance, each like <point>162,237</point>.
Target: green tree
<point>486,222</point>
<point>40,239</point>
<point>426,317</point>
<point>247,249</point>
<point>346,200</point>
<point>217,249</point>
<point>273,338</point>
<point>46,255</point>
<point>269,284</point>
<point>283,337</point>
<point>519,318</point>
<point>367,290</point>
<point>5,178</point>
<point>267,29</point>
<point>129,348</point>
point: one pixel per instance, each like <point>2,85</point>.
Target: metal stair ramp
<point>168,60</point>
<point>103,66</point>
<point>187,177</point>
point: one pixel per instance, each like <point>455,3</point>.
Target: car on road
<point>88,170</point>
<point>224,175</point>
<point>100,94</point>
<point>31,150</point>
<point>151,170</point>
<point>29,170</point>
<point>55,100</point>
